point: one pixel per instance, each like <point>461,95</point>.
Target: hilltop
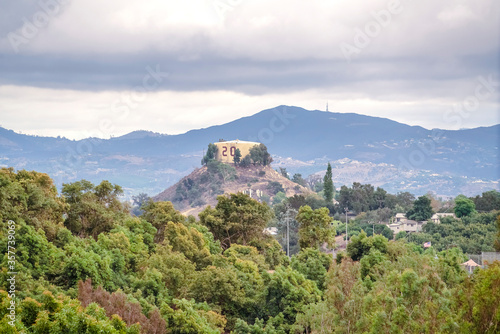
<point>201,187</point>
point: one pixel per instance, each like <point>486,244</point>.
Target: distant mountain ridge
<point>303,141</point>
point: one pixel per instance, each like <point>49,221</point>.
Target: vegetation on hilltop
<point>258,155</point>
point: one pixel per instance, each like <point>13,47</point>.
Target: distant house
<point>395,227</point>
<point>271,230</point>
<point>436,218</point>
<point>407,226</point>
<point>413,225</point>
<point>401,223</point>
<point>400,218</point>
<point>470,266</point>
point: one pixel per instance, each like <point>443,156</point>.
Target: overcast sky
<point>80,68</point>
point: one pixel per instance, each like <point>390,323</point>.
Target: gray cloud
<point>428,51</point>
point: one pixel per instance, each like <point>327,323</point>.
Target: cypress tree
<point>328,185</point>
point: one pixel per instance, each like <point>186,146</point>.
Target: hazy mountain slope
<point>301,140</point>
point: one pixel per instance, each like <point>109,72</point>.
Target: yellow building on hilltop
<point>227,149</point>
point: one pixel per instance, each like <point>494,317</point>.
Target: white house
<point>401,223</point>
<point>407,226</point>
<point>436,218</point>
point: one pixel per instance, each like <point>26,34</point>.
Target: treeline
<point>472,234</point>
<point>359,197</point>
<point>85,265</point>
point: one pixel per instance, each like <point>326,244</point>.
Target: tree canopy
<point>236,218</point>
<point>210,155</point>
<point>93,209</point>
<point>421,209</point>
<point>259,155</point>
<point>464,206</point>
<point>315,227</point>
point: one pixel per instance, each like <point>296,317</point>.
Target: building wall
<point>407,226</point>
<point>226,149</point>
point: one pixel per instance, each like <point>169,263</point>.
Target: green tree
<point>275,187</point>
<point>62,315</point>
<point>488,201</point>
<point>478,301</point>
<point>190,242</point>
<point>237,156</point>
<point>405,200</point>
<point>421,209</point>
<point>279,197</point>
<point>82,263</point>
<point>315,227</point>
<point>342,308</point>
<point>220,287</point>
<point>210,155</point>
<point>187,316</point>
<point>92,209</point>
<point>379,197</point>
<point>345,198</point>
<point>32,197</point>
<point>236,218</point>
<point>288,292</point>
<point>284,173</point>
<point>361,245</point>
<point>464,206</point>
<point>497,241</point>
<point>246,161</point>
<point>35,255</point>
<point>159,214</point>
<point>297,178</point>
<point>313,264</point>
<point>401,292</point>
<point>139,201</point>
<point>259,155</point>
<point>328,189</point>
<point>224,171</point>
<point>176,271</point>
<point>259,327</point>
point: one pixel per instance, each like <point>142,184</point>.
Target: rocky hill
<point>200,188</point>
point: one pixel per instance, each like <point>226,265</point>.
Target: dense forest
<point>83,261</point>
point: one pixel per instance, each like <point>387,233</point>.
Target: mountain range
<point>361,148</point>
